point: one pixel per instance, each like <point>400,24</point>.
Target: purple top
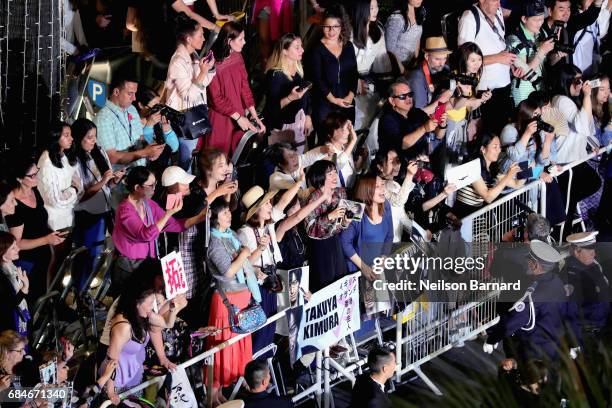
<point>134,237</point>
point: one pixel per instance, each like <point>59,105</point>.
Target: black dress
<point>9,304</point>
<point>329,74</point>
<point>279,87</point>
<point>34,261</point>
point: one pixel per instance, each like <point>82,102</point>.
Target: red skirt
<point>229,362</point>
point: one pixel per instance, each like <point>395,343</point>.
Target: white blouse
<point>246,235</point>
<point>55,188</point>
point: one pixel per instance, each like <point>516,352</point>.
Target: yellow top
<point>457,115</point>
<point>237,15</point>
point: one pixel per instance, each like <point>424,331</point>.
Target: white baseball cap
<point>175,174</point>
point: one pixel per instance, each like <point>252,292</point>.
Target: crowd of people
<point>519,86</point>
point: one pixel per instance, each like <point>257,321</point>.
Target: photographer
<point>188,77</point>
<point>563,23</point>
<point>531,48</point>
<point>156,127</point>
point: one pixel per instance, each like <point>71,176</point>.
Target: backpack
<point>450,26</point>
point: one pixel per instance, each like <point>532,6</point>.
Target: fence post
<point>326,380</point>
<point>318,376</point>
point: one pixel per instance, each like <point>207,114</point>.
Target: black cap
<point>532,8</point>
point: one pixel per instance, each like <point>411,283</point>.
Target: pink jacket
<point>182,92</point>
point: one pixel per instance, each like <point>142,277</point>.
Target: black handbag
<point>193,124</point>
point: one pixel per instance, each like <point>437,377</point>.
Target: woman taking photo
<point>92,213</point>
<point>333,68</point>
<point>14,286</point>
<point>129,335</point>
<point>233,274</point>
<point>403,30</point>
<point>572,101</point>
<point>7,203</point>
<point>138,222</point>
<point>286,102</point>
<point>324,224</point>
<point>59,184</point>
<point>491,183</point>
<point>464,110</point>
<point>188,77</point>
<point>30,227</point>
<point>229,93</point>
<point>155,128</point>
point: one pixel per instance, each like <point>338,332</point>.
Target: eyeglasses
<point>31,176</point>
<point>21,350</point>
<point>403,96</point>
<point>330,28</point>
<point>150,185</point>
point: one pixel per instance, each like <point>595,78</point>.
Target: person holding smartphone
<point>287,93</point>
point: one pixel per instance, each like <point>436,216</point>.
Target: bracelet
<point>289,99</point>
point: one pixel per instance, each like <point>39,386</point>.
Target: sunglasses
<point>334,27</point>
<point>404,96</point>
<point>577,81</point>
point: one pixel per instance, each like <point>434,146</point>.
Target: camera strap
<point>270,247</point>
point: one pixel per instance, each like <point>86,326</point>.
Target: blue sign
<point>97,92</point>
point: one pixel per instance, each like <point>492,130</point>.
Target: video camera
<point>173,116</point>
<point>464,79</point>
<point>546,127</point>
<point>560,47</point>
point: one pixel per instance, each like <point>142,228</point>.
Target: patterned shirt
<point>318,226</point>
<point>119,129</point>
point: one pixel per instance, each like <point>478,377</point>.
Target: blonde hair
<point>9,339</point>
<point>278,62</point>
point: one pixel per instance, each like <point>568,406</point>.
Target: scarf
<point>21,314</point>
<point>246,274</point>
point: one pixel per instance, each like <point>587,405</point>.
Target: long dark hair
<point>524,115</point>
<point>562,79</point>
<point>55,153</point>
<point>464,52</point>
<point>185,26</point>
<point>601,113</point>
<point>419,13</point>
<point>485,140</point>
<point>134,294</point>
<point>362,26</point>
<point>338,12</point>
<point>80,128</point>
<point>230,31</point>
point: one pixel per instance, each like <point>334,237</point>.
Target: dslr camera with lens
<point>464,79</point>
<point>173,116</point>
<point>544,126</point>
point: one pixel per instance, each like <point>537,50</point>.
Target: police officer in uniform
<point>586,284</point>
<point>536,323</point>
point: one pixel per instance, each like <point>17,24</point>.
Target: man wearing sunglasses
<point>407,129</point>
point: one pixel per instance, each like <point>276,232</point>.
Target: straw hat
<point>436,44</point>
<point>255,198</point>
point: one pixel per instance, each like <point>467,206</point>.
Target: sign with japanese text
<point>174,274</point>
<point>331,314</point>
<point>181,394</point>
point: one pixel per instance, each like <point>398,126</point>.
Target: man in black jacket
<point>257,377</point>
<point>369,389</point>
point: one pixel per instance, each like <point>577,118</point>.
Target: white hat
<point>255,198</point>
<point>583,239</point>
<point>544,253</point>
<point>175,174</point>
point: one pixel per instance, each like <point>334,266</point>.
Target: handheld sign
<point>174,275</point>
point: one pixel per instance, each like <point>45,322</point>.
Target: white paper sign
<point>174,274</point>
<point>331,314</point>
<point>181,394</point>
<point>465,174</point>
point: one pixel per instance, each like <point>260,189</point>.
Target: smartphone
<point>524,174</point>
<point>172,199</point>
<point>440,110</point>
<point>524,165</point>
<point>595,83</point>
<point>65,231</point>
<point>305,86</point>
<point>209,56</point>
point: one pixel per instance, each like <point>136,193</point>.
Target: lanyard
<point>493,26</point>
<point>129,132</point>
<point>428,76</point>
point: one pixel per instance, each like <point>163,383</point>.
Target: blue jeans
<point>186,148</point>
<point>89,231</point>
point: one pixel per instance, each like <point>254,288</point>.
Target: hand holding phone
<point>172,199</point>
<point>306,85</point>
<point>440,110</point>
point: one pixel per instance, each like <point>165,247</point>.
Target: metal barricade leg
<point>427,381</point>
